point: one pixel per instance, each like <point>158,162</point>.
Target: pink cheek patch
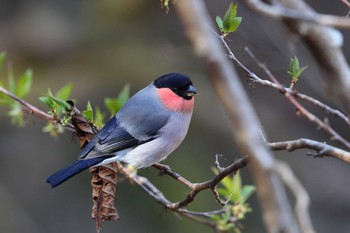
<point>174,102</point>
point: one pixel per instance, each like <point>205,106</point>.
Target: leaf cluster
<point>294,69</point>
<point>236,209</point>
<point>230,22</point>
<point>61,108</point>
<point>20,88</point>
<point>59,104</point>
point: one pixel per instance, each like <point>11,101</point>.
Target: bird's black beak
<point>191,91</point>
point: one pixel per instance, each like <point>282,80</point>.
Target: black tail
<point>66,173</point>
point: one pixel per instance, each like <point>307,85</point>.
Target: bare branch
<point>201,217</point>
<point>289,93</point>
<point>280,12</point>
<point>197,187</point>
<point>322,149</point>
<point>276,210</point>
<point>325,43</point>
<point>301,110</point>
<point>165,169</point>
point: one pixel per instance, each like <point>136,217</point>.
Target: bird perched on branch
<point>150,126</point>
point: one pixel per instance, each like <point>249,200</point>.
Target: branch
<point>104,180</point>
<point>32,110</point>
<point>322,149</point>
<point>283,13</point>
<point>276,85</point>
<point>196,188</point>
<point>325,43</point>
<point>303,111</point>
<point>276,210</point>
<point>289,94</point>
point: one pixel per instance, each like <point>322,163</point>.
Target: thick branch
<point>196,188</point>
<point>322,149</point>
<point>282,13</point>
<point>210,184</point>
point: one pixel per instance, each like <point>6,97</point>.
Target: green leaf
<point>53,129</point>
<point>112,105</point>
<point>123,96</point>
<point>227,182</point>
<point>231,22</point>
<point>24,84</point>
<point>294,65</point>
<point>236,187</point>
<point>16,114</point>
<point>234,23</point>
<point>300,70</point>
<point>64,92</point>
<point>216,217</point>
<point>11,80</point>
<point>48,101</point>
<point>99,118</point>
<point>246,192</point>
<point>219,22</point>
<point>294,68</point>
<point>61,103</point>
<point>2,59</point>
<point>89,113</point>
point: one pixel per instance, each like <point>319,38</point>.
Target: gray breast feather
<point>143,115</point>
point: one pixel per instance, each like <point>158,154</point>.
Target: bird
<point>150,126</point>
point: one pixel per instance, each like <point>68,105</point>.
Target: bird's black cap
<point>179,83</point>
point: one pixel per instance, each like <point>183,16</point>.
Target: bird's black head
<point>180,84</point>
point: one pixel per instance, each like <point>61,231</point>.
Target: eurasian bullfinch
<point>150,126</point>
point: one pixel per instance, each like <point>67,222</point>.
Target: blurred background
<point>100,46</point>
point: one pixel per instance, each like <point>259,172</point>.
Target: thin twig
<point>34,110</point>
<point>165,169</point>
<point>287,93</point>
<point>292,92</point>
<point>325,44</point>
<point>302,110</point>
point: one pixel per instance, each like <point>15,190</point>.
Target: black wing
<point>109,139</point>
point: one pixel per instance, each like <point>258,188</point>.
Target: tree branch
<point>287,92</point>
<point>322,149</point>
<point>104,179</point>
<point>275,206</point>
<point>325,43</point>
<point>283,13</point>
<point>32,110</point>
<point>196,188</point>
<point>210,184</point>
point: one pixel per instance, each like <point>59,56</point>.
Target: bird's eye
<point>175,89</point>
